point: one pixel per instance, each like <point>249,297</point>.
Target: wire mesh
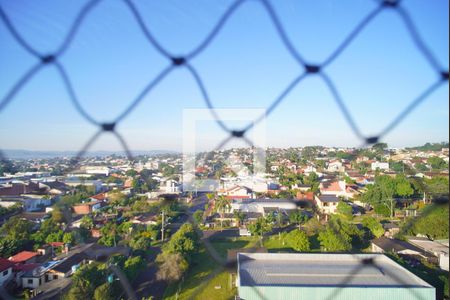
<point>51,59</point>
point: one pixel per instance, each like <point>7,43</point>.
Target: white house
<point>97,170</point>
<point>335,166</point>
<point>259,205</point>
<point>6,272</point>
<point>379,165</point>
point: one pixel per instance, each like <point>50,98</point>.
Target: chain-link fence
<point>50,59</point>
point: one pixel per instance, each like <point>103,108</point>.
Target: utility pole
<point>162,227</point>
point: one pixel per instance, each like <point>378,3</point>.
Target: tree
<point>198,216</point>
<point>109,234</point>
<point>116,197</point>
<point>381,193</point>
<point>421,167</point>
<point>297,217</point>
<point>141,243</point>
<point>222,203</point>
<point>87,222</point>
<point>437,187</point>
<point>397,166</point>
<point>184,241</point>
<point>403,187</point>
<point>298,240</point>
<point>239,216</point>
<point>437,163</point>
<point>171,266</point>
<point>259,228</point>
<point>380,147</point>
<point>57,215</point>
<point>345,209</point>
<point>85,281</point>
<point>374,226</point>
<point>133,266</point>
<point>104,292</point>
<point>434,222</point>
<point>17,228</point>
<point>332,241</point>
<point>68,238</point>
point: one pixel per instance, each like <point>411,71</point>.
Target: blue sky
<point>246,66</point>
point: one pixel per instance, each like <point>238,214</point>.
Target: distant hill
<point>430,147</point>
<point>30,154</point>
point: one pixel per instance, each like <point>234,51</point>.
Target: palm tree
<point>221,204</point>
<point>239,216</point>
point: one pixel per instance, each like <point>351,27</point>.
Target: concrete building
<point>326,276</point>
<point>261,205</point>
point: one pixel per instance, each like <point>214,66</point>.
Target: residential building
<point>332,187</point>
<point>327,204</point>
<point>24,257</point>
<point>260,205</point>
<point>438,249</point>
<point>384,166</point>
<point>6,271</point>
<point>87,208</point>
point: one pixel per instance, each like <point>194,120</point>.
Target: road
<point>147,284</point>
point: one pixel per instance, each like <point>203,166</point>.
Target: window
<point>6,272</point>
<point>30,281</point>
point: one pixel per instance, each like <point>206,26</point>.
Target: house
<point>391,229</point>
<point>100,197</point>
<point>87,208</point>
<point>20,270</point>
<point>438,249</point>
<point>305,196</point>
<point>6,271</point>
<point>37,276</point>
<point>335,166</point>
<point>237,192</point>
<point>97,170</point>
<point>385,245</point>
<point>337,188</point>
<point>24,257</point>
<point>327,204</point>
<point>68,266</point>
<point>74,181</point>
<point>146,219</point>
<point>301,187</point>
<point>290,276</point>
<point>261,205</point>
<point>379,166</point>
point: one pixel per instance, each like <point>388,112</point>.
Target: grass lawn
<point>222,245</point>
<point>218,287</point>
<point>198,285</point>
<point>274,244</point>
<point>201,266</point>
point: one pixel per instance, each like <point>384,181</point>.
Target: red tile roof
<point>25,267</point>
<point>56,244</point>
<point>101,196</point>
<point>5,264</point>
<point>331,186</point>
<point>23,256</point>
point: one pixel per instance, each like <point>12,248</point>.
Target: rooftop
<point>310,269</point>
<point>23,256</point>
